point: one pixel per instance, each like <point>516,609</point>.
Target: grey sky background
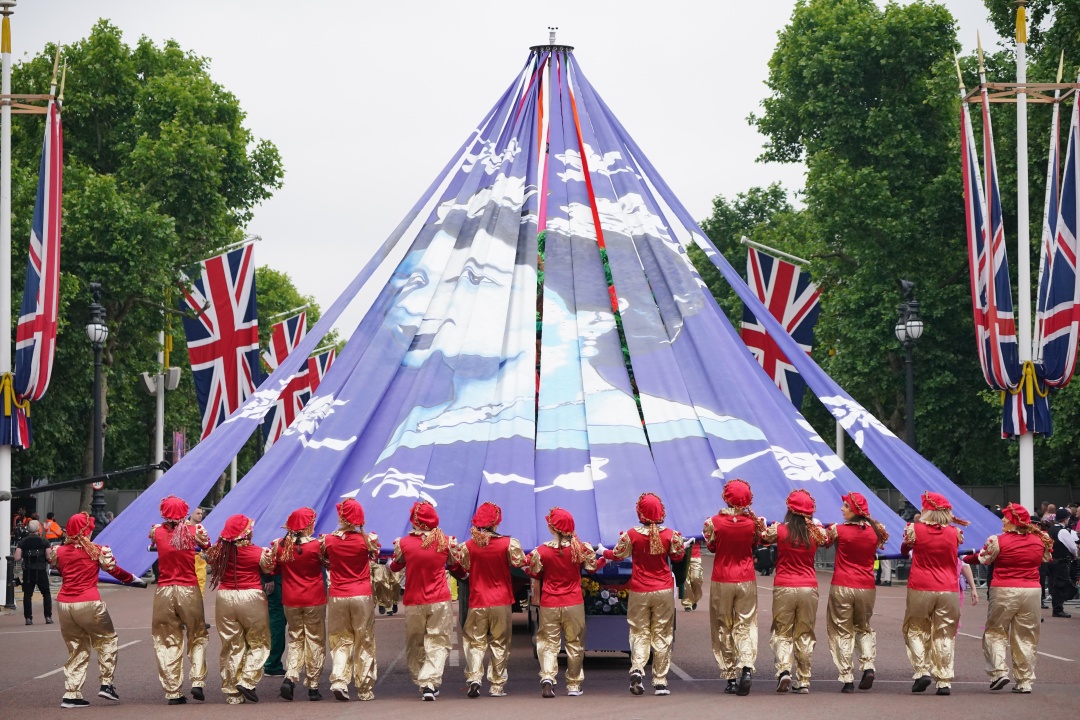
<point>366,100</point>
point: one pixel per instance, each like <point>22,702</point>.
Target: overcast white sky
<point>367,100</point>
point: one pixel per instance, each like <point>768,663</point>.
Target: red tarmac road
<point>31,675</point>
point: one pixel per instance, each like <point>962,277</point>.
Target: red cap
<point>561,521</point>
<point>737,493</point>
<point>300,519</point>
<point>236,527</point>
<point>173,508</point>
<point>487,515</point>
<point>79,524</point>
<point>650,508</point>
<point>351,512</point>
<point>935,501</point>
<point>423,516</point>
<point>857,503</point>
<point>802,503</point>
<point>1017,514</point>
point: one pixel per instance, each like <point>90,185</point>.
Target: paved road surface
<point>31,681</point>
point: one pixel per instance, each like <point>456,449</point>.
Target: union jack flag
<point>35,337</point>
<point>1058,316</point>
<point>284,336</point>
<point>223,338</point>
<point>794,301</point>
<point>317,367</point>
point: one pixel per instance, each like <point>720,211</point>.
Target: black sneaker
<point>732,687</point>
<point>342,695</point>
<point>474,690</point>
<point>427,694</point>
<point>382,610</point>
<point>783,683</point>
<point>943,691</point>
<point>248,693</point>
<point>108,692</point>
<point>29,621</point>
<point>695,606</point>
<point>74,703</point>
<point>48,621</point>
<point>314,695</point>
<point>921,684</point>
<point>1056,613</point>
<point>393,609</point>
<point>661,690</point>
<point>287,689</point>
<point>547,689</point>
<point>999,684</point>
<point>745,682</point>
<point>636,687</point>
<point>177,701</point>
<point>848,688</point>
<point>276,672</point>
<point>197,693</point>
<point>867,681</point>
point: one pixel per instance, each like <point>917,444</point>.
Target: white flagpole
<point>7,7</point>
<point>1023,248</point>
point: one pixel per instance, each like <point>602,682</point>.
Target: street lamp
<point>97,332</point>
<point>909,328</point>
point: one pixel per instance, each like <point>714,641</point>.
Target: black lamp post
<point>97,332</point>
<point>909,328</point>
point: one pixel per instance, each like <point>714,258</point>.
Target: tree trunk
<point>219,487</point>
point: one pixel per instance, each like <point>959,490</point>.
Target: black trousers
<point>36,579</point>
<point>1060,582</point>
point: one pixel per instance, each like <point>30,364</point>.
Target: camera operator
<point>32,551</point>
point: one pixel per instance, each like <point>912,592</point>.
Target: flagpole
<point>7,7</point>
<point>794,258</point>
<point>1023,247</point>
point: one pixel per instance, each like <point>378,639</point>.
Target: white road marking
<point>390,669</point>
<point>683,675</point>
<point>1056,657</point>
<point>61,669</point>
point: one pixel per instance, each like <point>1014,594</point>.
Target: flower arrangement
<point>603,599</point>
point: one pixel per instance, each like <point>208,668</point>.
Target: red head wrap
<point>935,501</point>
<point>857,503</point>
<point>80,524</point>
<point>650,508</point>
<point>423,517</point>
<point>300,519</point>
<point>1017,515</point>
<point>236,527</point>
<point>173,508</point>
<point>802,503</point>
<point>487,515</point>
<point>351,512</point>
<point>737,493</point>
<point>561,521</point>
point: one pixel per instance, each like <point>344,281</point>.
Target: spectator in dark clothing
<point>31,551</point>
<point>1063,554</point>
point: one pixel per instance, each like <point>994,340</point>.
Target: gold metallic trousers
<point>243,622</point>
<point>427,641</point>
<point>305,643</point>
<point>385,585</point>
<point>930,625</point>
<point>733,623</point>
<point>692,586</point>
<point>351,622</point>
<point>847,621</point>
<point>651,617</point>
<point>487,628</point>
<point>178,608</point>
<point>793,639</point>
<point>1012,622</point>
<point>569,623</point>
<point>86,625</point>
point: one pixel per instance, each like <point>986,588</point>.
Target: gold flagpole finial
<point>978,42</point>
<point>959,75</point>
<point>1061,66</point>
<point>1021,21</point>
<point>63,81</point>
<point>55,66</point>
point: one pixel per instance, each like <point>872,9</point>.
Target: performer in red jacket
<point>348,552</point>
<point>795,591</point>
<point>558,564</point>
<point>488,557</point>
<point>933,603</point>
<point>84,620</point>
<point>178,601</point>
<point>852,595</point>
<point>240,610</point>
<point>731,535</point>
<point>429,614</point>
<point>1012,621</point>
<point>303,595</point>
<point>650,609</point>
<point>694,577</point>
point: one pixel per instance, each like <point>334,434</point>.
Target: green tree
<point>160,171</point>
<point>866,97</point>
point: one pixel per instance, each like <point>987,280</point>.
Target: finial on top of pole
<point>7,7</point>
<point>978,42</point>
<point>1021,21</point>
<point>551,34</point>
<point>1061,66</point>
<point>959,75</point>
<point>55,66</point>
<point>63,81</point>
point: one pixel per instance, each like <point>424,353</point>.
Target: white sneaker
<point>496,692</point>
<point>661,690</point>
<point>576,692</point>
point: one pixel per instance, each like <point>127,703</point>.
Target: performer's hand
<point>268,587</point>
<point>600,549</point>
<point>137,582</point>
<point>974,596</point>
